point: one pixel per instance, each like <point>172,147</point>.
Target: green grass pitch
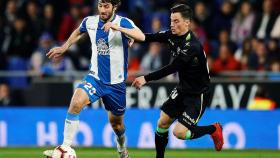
<point>36,152</point>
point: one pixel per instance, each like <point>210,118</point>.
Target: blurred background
<point>240,38</point>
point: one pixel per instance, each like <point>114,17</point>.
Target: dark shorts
<point>187,108</point>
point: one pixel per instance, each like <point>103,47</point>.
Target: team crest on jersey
<point>102,47</point>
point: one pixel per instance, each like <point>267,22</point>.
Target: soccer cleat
<point>48,153</point>
<point>123,154</point>
<point>217,137</point>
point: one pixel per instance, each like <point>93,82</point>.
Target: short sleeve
<point>83,26</point>
<point>127,23</point>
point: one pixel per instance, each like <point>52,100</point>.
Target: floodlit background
<point>240,38</point>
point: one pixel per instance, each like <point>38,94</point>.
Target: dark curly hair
<point>116,3</point>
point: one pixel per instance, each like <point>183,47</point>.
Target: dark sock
<point>161,140</point>
<point>199,131</point>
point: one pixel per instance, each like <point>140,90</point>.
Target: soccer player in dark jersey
<point>188,100</point>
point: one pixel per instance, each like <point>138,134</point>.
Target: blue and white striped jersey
<point>109,60</point>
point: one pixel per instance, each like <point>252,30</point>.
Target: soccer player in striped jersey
<point>110,36</point>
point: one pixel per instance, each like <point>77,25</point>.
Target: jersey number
<point>174,94</point>
<point>88,86</point>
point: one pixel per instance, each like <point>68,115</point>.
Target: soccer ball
<point>64,152</point>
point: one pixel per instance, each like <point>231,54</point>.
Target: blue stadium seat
<point>17,64</point>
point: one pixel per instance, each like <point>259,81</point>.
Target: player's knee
<point>179,134</point>
<point>180,131</point>
<point>117,126</point>
<point>75,106</point>
<point>163,124</point>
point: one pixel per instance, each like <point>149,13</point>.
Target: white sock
<point>70,129</point>
<point>121,143</point>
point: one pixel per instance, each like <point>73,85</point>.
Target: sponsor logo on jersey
<point>102,47</point>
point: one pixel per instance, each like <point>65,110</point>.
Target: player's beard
<point>106,16</point>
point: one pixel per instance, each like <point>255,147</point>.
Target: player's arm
<point>162,37</point>
<point>58,51</point>
<point>134,33</point>
<point>156,75</point>
<point>178,63</point>
<point>74,37</point>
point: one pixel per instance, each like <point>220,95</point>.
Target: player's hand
<point>139,82</point>
<point>130,42</point>
<point>106,27</point>
<point>55,53</point>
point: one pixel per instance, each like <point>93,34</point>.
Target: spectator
<point>36,63</point>
<point>156,25</point>
<point>6,25</point>
<point>224,39</point>
<point>264,21</point>
<point>51,21</point>
<point>273,50</point>
<point>38,58</point>
<point>226,61</point>
<point>275,66</point>
<point>201,15</point>
<point>152,60</point>
<point>222,19</point>
<point>244,50</point>
<point>21,40</point>
<point>70,22</point>
<point>34,22</point>
<point>5,98</point>
<point>51,68</point>
<point>10,13</point>
<point>242,54</point>
<point>87,10</point>
<point>242,23</point>
<point>258,59</point>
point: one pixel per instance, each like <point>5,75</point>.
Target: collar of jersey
<point>186,36</point>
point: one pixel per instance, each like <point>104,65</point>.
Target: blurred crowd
<point>237,35</point>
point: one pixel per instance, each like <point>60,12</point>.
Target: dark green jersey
<point>189,61</point>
